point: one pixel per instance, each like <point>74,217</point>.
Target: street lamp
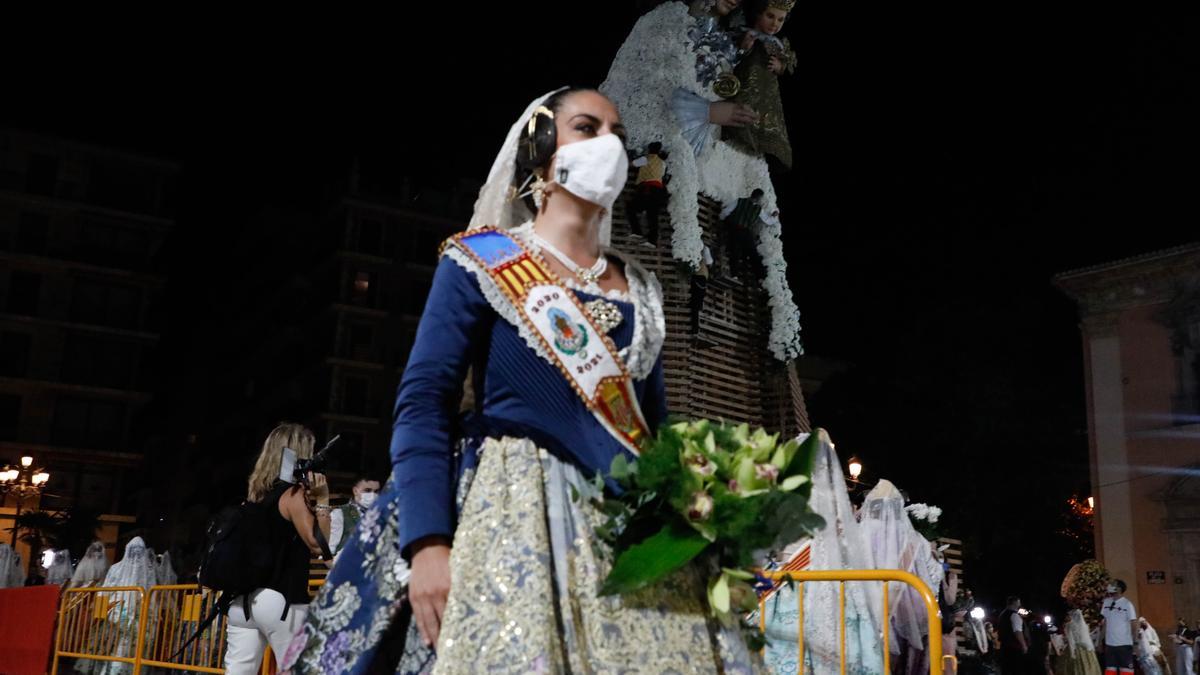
<point>22,482</point>
<point>856,468</point>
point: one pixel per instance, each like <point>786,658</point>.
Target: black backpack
<point>240,556</point>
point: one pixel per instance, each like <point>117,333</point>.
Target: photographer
<point>277,609</point>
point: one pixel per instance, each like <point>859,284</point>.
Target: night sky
<point>947,165</point>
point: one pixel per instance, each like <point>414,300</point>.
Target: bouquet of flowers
<point>1084,587</point>
<point>924,518</point>
<point>708,489</point>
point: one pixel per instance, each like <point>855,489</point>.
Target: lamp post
<point>22,481</point>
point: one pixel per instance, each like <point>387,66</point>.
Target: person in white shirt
<point>1120,625</point>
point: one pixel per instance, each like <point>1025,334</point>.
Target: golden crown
<point>785,5</point>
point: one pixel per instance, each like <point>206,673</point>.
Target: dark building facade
<point>81,290</point>
<point>313,324</point>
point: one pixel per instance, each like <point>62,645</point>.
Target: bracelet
<point>323,507</point>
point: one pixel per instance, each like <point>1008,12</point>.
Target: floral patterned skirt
<point>525,570</point>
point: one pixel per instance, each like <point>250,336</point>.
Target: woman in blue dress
<point>559,337</point>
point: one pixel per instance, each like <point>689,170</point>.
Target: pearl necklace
<point>588,275</point>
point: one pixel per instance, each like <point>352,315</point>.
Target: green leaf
<point>738,574</point>
<point>792,482</point>
<point>718,594</point>
<point>652,559</point>
<point>621,468</point>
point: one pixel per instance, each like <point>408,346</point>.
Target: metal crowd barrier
<point>936,658</point>
<point>100,625</point>
<point>145,628</point>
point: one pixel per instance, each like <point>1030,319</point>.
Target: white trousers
<point>1183,660</point>
<point>245,639</point>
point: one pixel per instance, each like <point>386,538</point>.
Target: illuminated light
<point>47,558</point>
<point>978,614</point>
<point>1023,612</point>
<point>1091,502</point>
<point>855,467</point>
<point>1048,620</point>
<point>26,461</point>
<point>362,282</point>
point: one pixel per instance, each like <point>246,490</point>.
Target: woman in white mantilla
<point>841,544</point>
<point>562,337</point>
<point>894,544</point>
<point>60,570</point>
<point>92,567</point>
<point>12,572</point>
<point>136,568</point>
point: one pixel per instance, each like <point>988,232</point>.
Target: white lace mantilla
<point>645,294</point>
<point>656,59</point>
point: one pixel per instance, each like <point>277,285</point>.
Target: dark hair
<point>752,9</point>
<point>1119,584</point>
<point>1011,599</point>
<point>362,478</point>
<point>536,149</point>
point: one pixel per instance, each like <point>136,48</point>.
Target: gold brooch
<point>727,85</point>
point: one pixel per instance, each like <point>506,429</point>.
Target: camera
<point>315,464</point>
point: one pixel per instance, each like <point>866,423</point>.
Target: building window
<point>33,232</point>
<point>105,304</point>
<point>355,393</point>
<point>43,175</point>
<point>96,492</point>
<point>10,416</point>
<point>109,243</point>
<point>363,288</point>
<point>122,187</point>
<point>359,342</point>
<point>89,423</point>
<point>98,361</point>
<point>370,236</point>
<point>350,450</point>
<point>24,293</point>
<point>1187,365</point>
<point>14,353</point>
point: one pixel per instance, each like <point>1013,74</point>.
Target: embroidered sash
<point>799,562</point>
<point>585,356</point>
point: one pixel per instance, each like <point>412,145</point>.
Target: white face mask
<point>366,499</point>
<point>594,170</point>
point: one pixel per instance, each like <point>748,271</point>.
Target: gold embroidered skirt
<point>525,570</point>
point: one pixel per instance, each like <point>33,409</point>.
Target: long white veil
<point>92,567</point>
<point>165,571</point>
<point>60,570</point>
<point>11,574</point>
<point>1078,634</point>
<point>841,544</point>
<point>896,545</point>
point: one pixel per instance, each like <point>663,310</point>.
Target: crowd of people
<point>1121,643</point>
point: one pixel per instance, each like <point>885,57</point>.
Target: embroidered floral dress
<point>516,497</point>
